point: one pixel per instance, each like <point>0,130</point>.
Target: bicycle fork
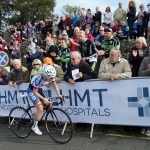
<point>59,123</point>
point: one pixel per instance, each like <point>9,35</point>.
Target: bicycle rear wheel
<point>59,126</point>
<point>20,122</point>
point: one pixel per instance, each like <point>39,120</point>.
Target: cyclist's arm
<point>36,93</point>
<point>56,88</point>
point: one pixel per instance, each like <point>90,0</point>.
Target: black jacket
<point>84,68</point>
<point>98,17</point>
<point>52,48</point>
<point>131,14</point>
<point>136,61</point>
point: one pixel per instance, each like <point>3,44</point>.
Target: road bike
<point>59,126</point>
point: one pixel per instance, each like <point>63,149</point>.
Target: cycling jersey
<point>87,48</point>
<point>109,44</point>
<point>36,82</point>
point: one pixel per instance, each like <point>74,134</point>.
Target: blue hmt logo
<point>142,102</point>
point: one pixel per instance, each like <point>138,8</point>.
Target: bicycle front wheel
<point>20,122</point>
<point>59,126</point>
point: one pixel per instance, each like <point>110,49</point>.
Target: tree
<point>70,9</point>
<point>26,10</point>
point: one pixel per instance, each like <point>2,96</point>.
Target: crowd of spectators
<point>82,43</point>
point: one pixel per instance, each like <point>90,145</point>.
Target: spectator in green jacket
<point>64,54</point>
<point>120,13</point>
<point>37,68</point>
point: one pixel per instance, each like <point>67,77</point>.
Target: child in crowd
<point>89,35</point>
<point>116,28</point>
<point>19,37</point>
<point>123,33</point>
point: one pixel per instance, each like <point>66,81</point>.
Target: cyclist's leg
<point>39,109</point>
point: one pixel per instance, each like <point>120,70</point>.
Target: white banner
<point>125,102</point>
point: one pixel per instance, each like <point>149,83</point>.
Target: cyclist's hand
<point>62,97</point>
<point>46,101</point>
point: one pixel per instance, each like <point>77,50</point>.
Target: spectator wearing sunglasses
<point>36,68</point>
<point>78,71</point>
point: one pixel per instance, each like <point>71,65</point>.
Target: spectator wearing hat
<point>120,13</point>
<point>59,72</point>
<point>108,43</point>
<point>103,24</point>
<point>51,50</point>
<point>108,16</point>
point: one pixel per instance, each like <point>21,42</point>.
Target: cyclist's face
<point>49,79</point>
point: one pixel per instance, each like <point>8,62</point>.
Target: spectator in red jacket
<point>67,21</point>
<point>19,37</point>
<point>116,26</point>
<point>89,35</point>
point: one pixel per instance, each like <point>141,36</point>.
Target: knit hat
<point>107,29</point>
<point>48,61</point>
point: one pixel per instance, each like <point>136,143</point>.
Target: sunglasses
<point>36,64</point>
<point>73,58</point>
<point>101,30</point>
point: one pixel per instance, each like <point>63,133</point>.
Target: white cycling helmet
<point>49,71</point>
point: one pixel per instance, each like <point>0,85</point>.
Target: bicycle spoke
<point>20,122</point>
<point>59,126</point>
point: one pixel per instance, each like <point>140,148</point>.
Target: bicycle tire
<point>59,120</point>
<point>20,122</point>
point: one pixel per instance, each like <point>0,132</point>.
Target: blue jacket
<point>37,55</point>
<point>125,30</point>
<point>75,20</point>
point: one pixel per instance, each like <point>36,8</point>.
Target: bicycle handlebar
<point>52,99</point>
